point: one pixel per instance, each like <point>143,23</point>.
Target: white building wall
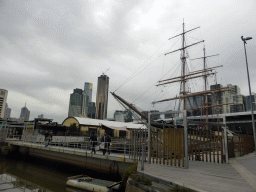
<point>231,96</point>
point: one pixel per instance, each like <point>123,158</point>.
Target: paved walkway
<point>239,175</point>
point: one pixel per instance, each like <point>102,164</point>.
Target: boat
<point>90,184</point>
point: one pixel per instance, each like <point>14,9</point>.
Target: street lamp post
<point>253,123</point>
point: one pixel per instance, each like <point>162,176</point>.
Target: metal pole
<point>249,84</point>
<point>185,137</point>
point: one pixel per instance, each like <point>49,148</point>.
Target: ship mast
<point>183,66</point>
<point>205,80</point>
<point>183,62</point>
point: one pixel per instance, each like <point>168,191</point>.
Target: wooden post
<point>160,146</point>
<point>199,145</point>
<point>149,139</point>
<point>189,149</point>
<point>175,146</point>
<point>183,151</point>
<point>193,145</point>
<point>168,146</point>
<point>203,144</point>
<point>164,136</point>
<point>157,145</point>
<point>171,145</point>
<point>210,146</point>
<point>154,144</point>
<point>206,152</point>
<point>221,146</point>
<point>214,147</point>
<point>217,143</point>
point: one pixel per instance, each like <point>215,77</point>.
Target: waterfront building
<point>145,113</point>
<point>78,103</point>
<point>192,103</point>
<point>123,116</point>
<point>154,116</point>
<point>88,90</point>
<point>7,113</point>
<point>41,116</point>
<point>112,128</point>
<point>24,114</point>
<point>169,115</point>
<point>247,102</point>
<point>102,97</point>
<point>215,99</point>
<point>3,98</point>
<point>233,97</point>
<point>91,110</point>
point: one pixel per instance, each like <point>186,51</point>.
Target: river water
<point>40,175</point>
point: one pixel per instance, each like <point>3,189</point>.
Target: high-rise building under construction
<point>102,97</point>
<point>3,98</point>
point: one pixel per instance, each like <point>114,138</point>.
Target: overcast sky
<point>50,47</point>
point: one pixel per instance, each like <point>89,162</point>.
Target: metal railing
<point>77,145</point>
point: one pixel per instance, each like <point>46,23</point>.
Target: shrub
<point>180,189</point>
<point>142,180</point>
<point>128,172</point>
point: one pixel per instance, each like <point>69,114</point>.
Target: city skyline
<point>48,49</point>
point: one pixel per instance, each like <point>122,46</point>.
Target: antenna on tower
<point>103,73</point>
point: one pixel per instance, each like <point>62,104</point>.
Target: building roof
<point>98,122</point>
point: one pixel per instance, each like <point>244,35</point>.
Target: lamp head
<point>245,39</point>
<point>248,38</point>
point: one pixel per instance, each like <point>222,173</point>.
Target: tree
<point>73,128</point>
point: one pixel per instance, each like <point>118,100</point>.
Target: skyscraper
<point>25,113</point>
<point>7,113</point>
<point>88,90</point>
<point>102,97</point>
<point>78,104</point>
<point>3,98</point>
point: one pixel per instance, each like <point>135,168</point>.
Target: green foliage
<point>142,180</point>
<point>73,127</point>
<point>128,172</point>
<point>180,189</point>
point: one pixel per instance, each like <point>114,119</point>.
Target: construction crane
<point>103,73</point>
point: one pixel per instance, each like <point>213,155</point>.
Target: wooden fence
<point>3,134</point>
<point>206,146</point>
<point>167,146</point>
<point>240,144</point>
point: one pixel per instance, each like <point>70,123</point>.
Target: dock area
<point>115,163</point>
<point>239,175</point>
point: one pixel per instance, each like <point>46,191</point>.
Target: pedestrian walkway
<point>239,175</point>
<point>76,151</point>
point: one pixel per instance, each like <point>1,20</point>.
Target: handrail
<point>81,145</point>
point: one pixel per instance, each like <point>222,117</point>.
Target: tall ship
<point>200,103</point>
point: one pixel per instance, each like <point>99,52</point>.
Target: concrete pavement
<point>239,175</point>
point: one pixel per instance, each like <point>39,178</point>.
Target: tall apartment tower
<point>25,113</point>
<point>102,97</point>
<point>88,90</point>
<point>7,113</point>
<point>232,96</point>
<point>3,98</point>
<point>78,104</point>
